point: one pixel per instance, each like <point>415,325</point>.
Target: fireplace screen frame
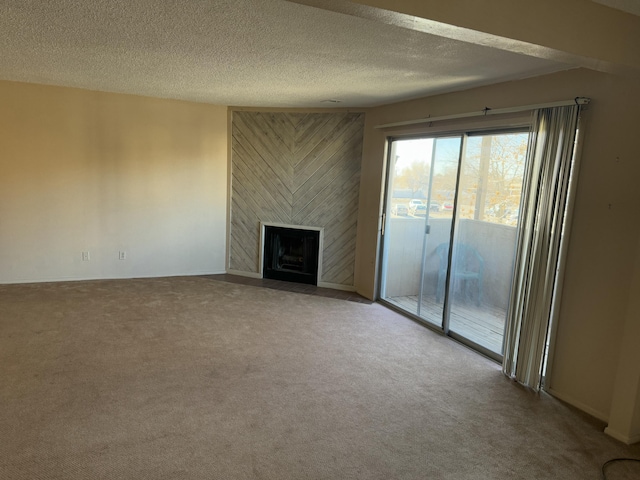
<point>266,263</point>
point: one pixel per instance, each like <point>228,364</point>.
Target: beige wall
<point>624,420</point>
<point>98,172</point>
<point>605,227</point>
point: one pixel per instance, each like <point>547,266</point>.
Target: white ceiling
<point>268,53</point>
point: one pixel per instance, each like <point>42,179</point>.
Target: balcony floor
<point>483,325</point>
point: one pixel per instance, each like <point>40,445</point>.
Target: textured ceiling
<point>269,53</point>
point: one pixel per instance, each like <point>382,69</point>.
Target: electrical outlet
<point>122,255</point>
<point>85,256</point>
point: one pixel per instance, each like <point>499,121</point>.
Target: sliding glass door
<point>420,197</point>
<point>449,241</point>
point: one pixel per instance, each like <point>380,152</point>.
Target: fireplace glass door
<point>291,254</point>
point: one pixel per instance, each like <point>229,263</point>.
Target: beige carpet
<point>192,378</point>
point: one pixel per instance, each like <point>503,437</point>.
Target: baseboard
<point>337,286</point>
<point>579,405</point>
<point>221,272</point>
<point>244,274</point>
<point>621,437</point>
<point>89,279</point>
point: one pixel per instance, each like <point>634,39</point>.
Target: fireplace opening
<point>291,254</point>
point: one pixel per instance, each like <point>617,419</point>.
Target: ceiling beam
<point>576,32</point>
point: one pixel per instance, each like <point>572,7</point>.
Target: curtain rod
<point>488,111</point>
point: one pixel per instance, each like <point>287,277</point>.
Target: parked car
<point>414,203</point>
<point>400,209</point>
<point>434,207</point>
<point>418,210</point>
<point>447,206</point>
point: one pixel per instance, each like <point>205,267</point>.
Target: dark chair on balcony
<point>467,270</point>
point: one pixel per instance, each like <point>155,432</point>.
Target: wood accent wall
<point>297,169</point>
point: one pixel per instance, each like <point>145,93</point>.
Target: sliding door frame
<point>521,126</point>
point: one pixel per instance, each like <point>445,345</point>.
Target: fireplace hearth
<point>291,254</point>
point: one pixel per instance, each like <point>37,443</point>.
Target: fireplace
<point>291,254</point>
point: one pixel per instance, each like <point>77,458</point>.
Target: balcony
<point>477,309</point>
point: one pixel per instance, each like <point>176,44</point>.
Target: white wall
<point>99,172</point>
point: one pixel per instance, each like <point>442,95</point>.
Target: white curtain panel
<point>543,209</point>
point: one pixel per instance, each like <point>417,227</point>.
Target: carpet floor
<point>193,378</point>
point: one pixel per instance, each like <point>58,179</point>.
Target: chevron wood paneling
<point>298,169</point>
